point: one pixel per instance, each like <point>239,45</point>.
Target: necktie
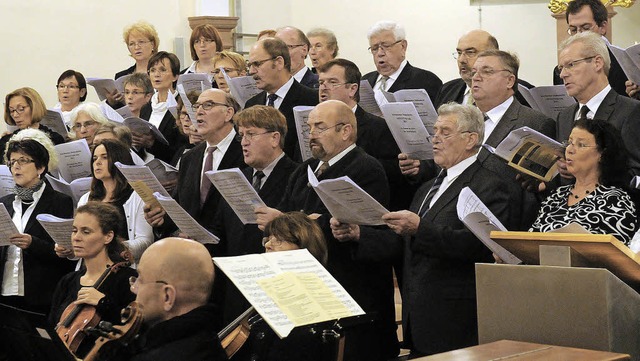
<point>383,82</point>
<point>257,180</point>
<point>486,117</point>
<point>205,183</point>
<point>432,192</point>
<point>470,100</point>
<point>583,112</point>
<point>272,100</point>
<point>323,167</point>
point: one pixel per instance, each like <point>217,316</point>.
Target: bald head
<point>469,46</point>
<point>333,129</point>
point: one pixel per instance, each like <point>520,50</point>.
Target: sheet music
<point>163,171</point>
<point>242,88</point>
<point>75,189</point>
<point>144,127</point>
<point>238,192</point>
<point>368,99</point>
<point>184,221</point>
<point>54,121</point>
<point>301,115</point>
<point>481,221</point>
<point>422,102</point>
<point>549,100</point>
<point>112,114</point>
<point>7,228</point>
<point>629,60</point>
<point>141,173</point>
<point>120,82</point>
<point>187,103</point>
<point>102,86</point>
<point>346,201</point>
<point>125,112</point>
<point>74,160</point>
<point>408,130</point>
<point>7,184</point>
<point>194,82</point>
<point>59,229</point>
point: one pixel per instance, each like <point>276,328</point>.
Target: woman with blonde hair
<point>233,64</point>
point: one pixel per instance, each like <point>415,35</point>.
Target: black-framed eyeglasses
<point>67,86</point>
<point>207,105</point>
<point>570,65</point>
<point>18,110</point>
<point>293,46</point>
<point>258,63</point>
<point>375,47</point>
<point>133,282</point>
<point>319,131</point>
<point>139,43</point>
<point>20,161</point>
<point>250,136</point>
<point>487,72</point>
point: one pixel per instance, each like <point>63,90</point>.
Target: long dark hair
<point>109,219</point>
<point>116,152</point>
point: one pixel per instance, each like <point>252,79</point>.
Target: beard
<point>318,152</point>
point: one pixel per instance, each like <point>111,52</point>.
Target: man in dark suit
<point>298,45</point>
<point>335,154</point>
<point>261,132</point>
<point>388,46</point>
<point>469,46</point>
<point>438,299</point>
<point>220,150</point>
<point>592,15</point>
<point>270,66</point>
<point>584,62</point>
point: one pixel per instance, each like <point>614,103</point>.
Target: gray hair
<point>330,37</point>
<point>92,110</point>
<point>40,137</point>
<point>593,45</point>
<point>387,25</point>
<point>469,118</point>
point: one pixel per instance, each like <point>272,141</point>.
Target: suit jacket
<point>127,71</point>
<point>525,203</point>
<point>616,76</point>
<point>370,283</point>
<point>623,112</point>
<point>297,95</point>
<point>453,91</point>
<point>168,128</point>
<point>42,267</point>
<point>411,78</point>
<point>438,292</point>
<point>310,79</point>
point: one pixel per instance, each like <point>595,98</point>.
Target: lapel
<point>363,124</point>
<point>451,194</point>
<point>43,206</point>
<point>607,106</point>
<point>403,78</point>
<point>292,95</point>
<point>372,79</point>
<point>459,89</point>
<point>505,125</point>
<point>233,156</point>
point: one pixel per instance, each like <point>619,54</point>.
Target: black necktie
<point>583,112</point>
<point>486,117</point>
<point>257,180</point>
<point>272,100</point>
<point>432,192</point>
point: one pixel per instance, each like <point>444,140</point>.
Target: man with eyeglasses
<point>335,154</point>
<point>298,45</point>
<point>270,65</point>
<point>592,15</point>
<point>469,46</point>
<point>583,64</point>
<point>173,287</point>
<point>438,290</point>
<point>388,47</point>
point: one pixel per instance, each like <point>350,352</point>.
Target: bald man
<point>335,154</point>
<point>175,277</point>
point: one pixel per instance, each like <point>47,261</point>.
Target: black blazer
<point>310,79</point>
<point>438,291</point>
<point>42,267</point>
<point>168,128</point>
<point>411,78</point>
<point>453,91</point>
<point>127,71</point>
<point>369,283</point>
<point>621,111</point>
<point>297,95</point>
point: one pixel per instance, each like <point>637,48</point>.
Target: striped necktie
<point>432,192</point>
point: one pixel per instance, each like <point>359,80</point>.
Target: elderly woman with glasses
<point>85,120</point>
<point>233,64</point>
<point>596,157</point>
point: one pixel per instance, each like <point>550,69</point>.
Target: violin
<point>112,337</point>
<point>77,318</point>
<point>237,332</point>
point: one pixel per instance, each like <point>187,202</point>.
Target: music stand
<point>27,336</point>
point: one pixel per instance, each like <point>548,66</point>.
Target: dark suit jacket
<point>439,299</point>
<point>168,128</point>
<point>42,267</point>
<point>370,283</point>
<point>616,77</point>
<point>297,95</point>
<point>127,71</point>
<point>310,79</point>
<point>517,116</point>
<point>623,112</point>
<point>453,91</point>
<point>411,78</point>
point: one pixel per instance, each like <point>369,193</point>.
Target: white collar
<point>456,170</point>
<point>395,75</point>
<point>284,89</point>
<point>300,74</point>
<point>340,155</point>
<point>268,169</point>
<point>596,100</point>
<point>497,112</point>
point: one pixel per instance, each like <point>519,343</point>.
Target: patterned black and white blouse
<point>608,210</point>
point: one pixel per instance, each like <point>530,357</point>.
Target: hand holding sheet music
<point>184,221</point>
<point>408,130</point>
<point>237,191</point>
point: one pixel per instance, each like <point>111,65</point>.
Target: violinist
<point>175,277</point>
<point>29,268</point>
<point>94,240</point>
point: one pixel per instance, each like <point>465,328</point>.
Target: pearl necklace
<point>587,192</point>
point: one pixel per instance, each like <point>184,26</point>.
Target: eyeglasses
<point>319,131</point>
<point>487,72</point>
<point>331,84</point>
<point>250,136</point>
<point>443,137</point>
<point>204,41</point>
<point>18,110</point>
<point>469,53</point>
<point>138,43</point>
<point>578,144</point>
<point>317,46</point>
<point>226,70</point>
<point>183,115</point>
<point>275,241</point>
<point>207,105</point>
<point>20,161</point>
<point>258,63</point>
<point>570,65</point>
<point>67,86</point>
<point>133,282</point>
<point>374,48</point>
<point>135,92</point>
<point>291,47</point>
<point>572,30</point>
<point>86,125</point>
